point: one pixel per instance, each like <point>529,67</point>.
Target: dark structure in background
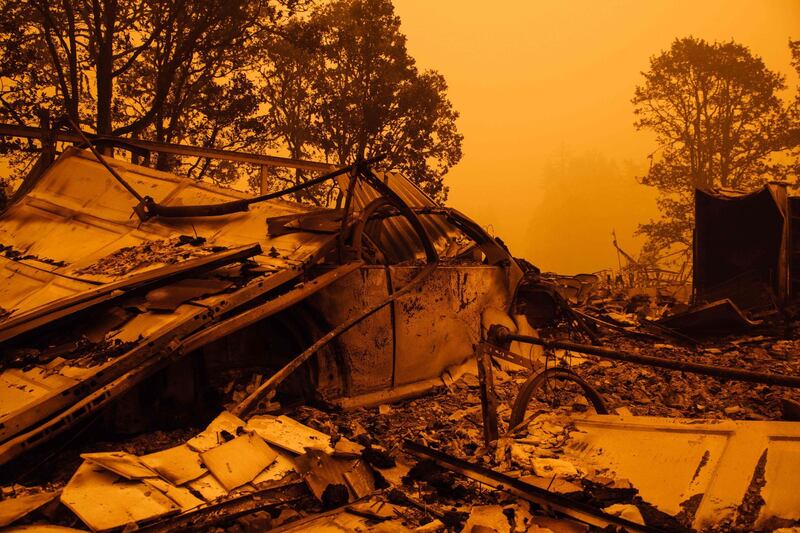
<point>741,249</point>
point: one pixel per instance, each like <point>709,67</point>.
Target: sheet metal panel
<point>438,324</point>
<point>675,462</point>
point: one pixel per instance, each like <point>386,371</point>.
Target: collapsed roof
<point>149,290</point>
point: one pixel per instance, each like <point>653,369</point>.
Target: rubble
<point>385,365</point>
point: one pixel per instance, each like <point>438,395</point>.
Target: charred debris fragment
<point>178,356</point>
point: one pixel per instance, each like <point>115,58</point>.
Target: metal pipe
<point>151,208</point>
<point>573,508</point>
<point>503,335</point>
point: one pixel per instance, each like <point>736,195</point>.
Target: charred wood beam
<point>574,509</point>
<point>502,335</point>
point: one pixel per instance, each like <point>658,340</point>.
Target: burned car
<point>169,298</point>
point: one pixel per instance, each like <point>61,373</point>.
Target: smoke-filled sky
<point>544,89</point>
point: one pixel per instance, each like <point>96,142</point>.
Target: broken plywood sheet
<point>487,518</point>
<point>177,465</point>
<point>289,434</point>
<point>710,465</point>
<point>282,466</point>
<point>225,424</point>
<point>105,501</point>
<point>121,463</point>
<point>182,496</point>
<point>320,470</point>
<point>208,487</point>
<point>239,461</point>
<point>12,509</point>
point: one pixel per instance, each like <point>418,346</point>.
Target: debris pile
<point>356,469</point>
<point>159,252</point>
<point>382,366</point>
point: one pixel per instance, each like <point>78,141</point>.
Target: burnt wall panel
<point>367,347</point>
<point>438,324</point>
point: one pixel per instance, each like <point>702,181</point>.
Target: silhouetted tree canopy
<point>341,86</point>
<point>793,134</point>
<point>332,81</point>
<point>718,118</point>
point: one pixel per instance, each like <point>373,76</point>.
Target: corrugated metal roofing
<point>395,235</point>
<point>77,214</point>
<point>66,231</point>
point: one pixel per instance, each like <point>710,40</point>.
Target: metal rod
<point>152,208</point>
<point>503,335</point>
<point>276,379</point>
<point>488,396</point>
<point>31,132</point>
<point>103,161</point>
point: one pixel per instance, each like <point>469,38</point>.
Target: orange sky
<point>544,90</point>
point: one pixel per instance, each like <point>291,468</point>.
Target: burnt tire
<point>531,388</point>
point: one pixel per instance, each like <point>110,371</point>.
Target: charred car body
<point>206,296</point>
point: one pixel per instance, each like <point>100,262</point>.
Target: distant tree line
<point>330,81</point>
<point>720,123</point>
